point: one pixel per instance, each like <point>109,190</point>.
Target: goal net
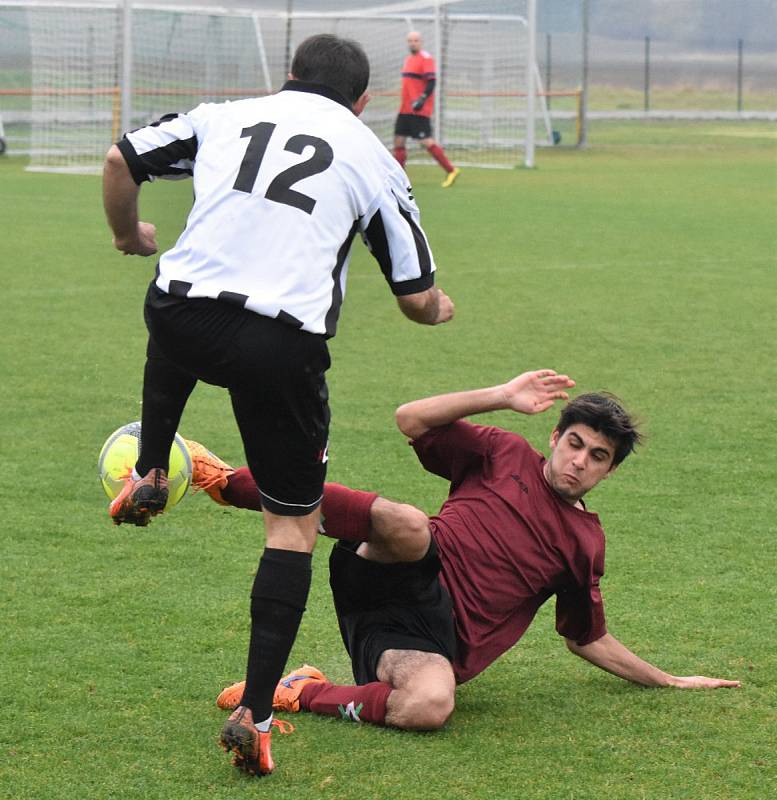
<point>99,67</point>
<point>73,86</point>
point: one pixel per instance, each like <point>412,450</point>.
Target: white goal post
<point>100,67</point>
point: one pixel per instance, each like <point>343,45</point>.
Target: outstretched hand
<point>533,392</point>
<point>700,682</point>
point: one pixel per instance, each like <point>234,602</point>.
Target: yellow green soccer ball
<point>120,452</point>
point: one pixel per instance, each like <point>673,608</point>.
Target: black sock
<point>166,388</point>
<point>277,603</point>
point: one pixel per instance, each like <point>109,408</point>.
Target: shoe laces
<point>283,726</point>
<point>208,476</point>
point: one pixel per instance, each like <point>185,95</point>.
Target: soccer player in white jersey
<point>247,298</point>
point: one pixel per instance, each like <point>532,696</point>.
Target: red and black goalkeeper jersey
<point>417,71</point>
<point>507,543</point>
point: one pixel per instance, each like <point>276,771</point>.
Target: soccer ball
<point>120,452</point>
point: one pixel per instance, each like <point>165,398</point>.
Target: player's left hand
<point>419,104</point>
<point>533,392</point>
<point>701,682</point>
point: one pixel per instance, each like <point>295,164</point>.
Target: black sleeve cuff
<point>136,168</point>
<point>414,286</point>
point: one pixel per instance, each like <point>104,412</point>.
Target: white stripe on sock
<point>264,726</point>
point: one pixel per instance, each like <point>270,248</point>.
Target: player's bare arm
<point>430,307</point>
<point>609,654</point>
<point>528,393</point>
<point>120,199</point>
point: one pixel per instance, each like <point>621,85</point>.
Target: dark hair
<point>604,413</point>
<point>340,64</point>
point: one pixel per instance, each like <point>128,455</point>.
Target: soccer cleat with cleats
<point>250,747</point>
<point>449,181</point>
<point>140,499</point>
<point>209,472</point>
<point>287,692</point>
<point>230,697</point>
<point>289,688</point>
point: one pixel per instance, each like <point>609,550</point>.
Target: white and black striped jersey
<point>282,184</point>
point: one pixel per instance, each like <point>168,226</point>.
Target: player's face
<point>579,459</point>
<point>413,42</point>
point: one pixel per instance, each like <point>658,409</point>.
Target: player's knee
<point>413,531</point>
<point>399,531</point>
<point>399,519</point>
<point>414,521</point>
<point>432,707</point>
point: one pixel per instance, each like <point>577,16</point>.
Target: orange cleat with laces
<point>209,472</point>
<point>289,689</point>
<point>287,692</point>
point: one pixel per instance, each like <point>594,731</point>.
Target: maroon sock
<point>241,490</point>
<point>400,153</point>
<point>440,158</point>
<point>346,512</point>
<point>355,703</point>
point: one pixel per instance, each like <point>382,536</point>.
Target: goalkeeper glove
<point>419,104</point>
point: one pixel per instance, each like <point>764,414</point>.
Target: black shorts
<point>275,376</point>
<point>413,125</point>
<point>389,607</point>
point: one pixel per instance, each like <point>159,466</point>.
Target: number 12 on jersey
<point>279,190</point>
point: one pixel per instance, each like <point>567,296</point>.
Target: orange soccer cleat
<point>289,689</point>
<point>287,692</point>
<point>140,499</point>
<point>250,747</point>
<point>209,472</point>
<point>230,697</point>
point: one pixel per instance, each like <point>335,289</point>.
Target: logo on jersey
<point>351,711</point>
<point>524,487</point>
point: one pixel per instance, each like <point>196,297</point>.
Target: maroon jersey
<point>507,543</point>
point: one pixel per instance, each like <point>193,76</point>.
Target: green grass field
<point>646,265</point>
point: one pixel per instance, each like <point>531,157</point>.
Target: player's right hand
<point>142,244</point>
<point>702,682</point>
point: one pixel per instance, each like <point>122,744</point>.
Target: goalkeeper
<point>426,603</point>
<point>415,114</point>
